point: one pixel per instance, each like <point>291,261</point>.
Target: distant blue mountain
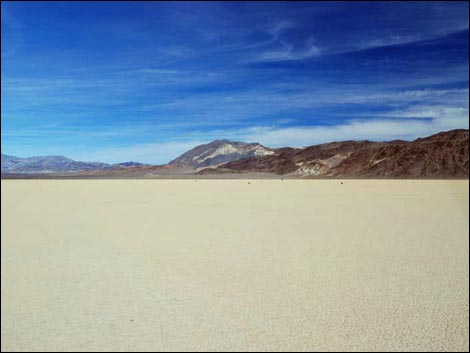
<point>54,164</point>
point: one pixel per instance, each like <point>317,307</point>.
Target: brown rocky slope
<point>443,155</point>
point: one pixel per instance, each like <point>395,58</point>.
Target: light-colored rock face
<point>224,149</point>
<point>227,149</point>
<point>219,152</point>
<point>320,166</point>
<point>262,151</point>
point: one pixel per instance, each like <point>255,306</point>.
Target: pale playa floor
<point>227,265</point>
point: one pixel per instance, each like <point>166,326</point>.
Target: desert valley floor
<point>234,265</point>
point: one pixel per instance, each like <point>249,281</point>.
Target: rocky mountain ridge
<point>443,155</point>
<point>219,152</point>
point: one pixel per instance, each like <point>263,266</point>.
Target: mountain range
<point>54,164</point>
<point>443,155</point>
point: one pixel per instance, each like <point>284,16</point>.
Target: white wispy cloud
<point>271,100</point>
<point>276,29</point>
<point>403,96</point>
<point>289,53</point>
<point>388,41</point>
<point>285,51</point>
<point>441,119</point>
<point>429,111</point>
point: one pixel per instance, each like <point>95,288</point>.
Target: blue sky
<point>118,81</point>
